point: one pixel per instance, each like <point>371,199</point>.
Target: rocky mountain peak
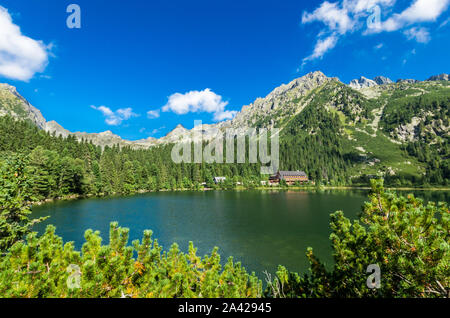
<point>306,82</point>
<point>14,105</point>
<point>53,127</point>
<point>407,81</point>
<point>317,76</point>
<point>106,133</point>
<point>8,87</point>
<point>382,80</point>
<point>362,82</point>
<point>441,77</point>
<point>278,103</point>
<point>178,133</point>
<point>178,128</point>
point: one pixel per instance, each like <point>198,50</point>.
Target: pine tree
<point>15,193</point>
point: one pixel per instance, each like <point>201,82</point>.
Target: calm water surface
<point>260,229</point>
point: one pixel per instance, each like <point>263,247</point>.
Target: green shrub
<point>408,240</point>
<point>45,267</point>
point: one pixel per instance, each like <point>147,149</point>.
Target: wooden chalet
<point>291,177</point>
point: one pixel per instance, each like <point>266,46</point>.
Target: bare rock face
<point>362,82</point>
<point>381,80</point>
<point>14,105</point>
<point>175,135</point>
<point>441,77</point>
<point>106,138</point>
<point>407,81</point>
<point>288,98</point>
<point>54,128</point>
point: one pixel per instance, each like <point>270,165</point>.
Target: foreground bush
<point>15,192</point>
<point>410,242</point>
<point>44,267</point>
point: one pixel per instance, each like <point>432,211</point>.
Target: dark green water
<point>260,229</point>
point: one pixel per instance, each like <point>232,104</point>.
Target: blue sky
<point>139,68</point>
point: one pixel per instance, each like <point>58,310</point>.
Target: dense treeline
<point>315,149</point>
<point>62,166</point>
<point>437,159</point>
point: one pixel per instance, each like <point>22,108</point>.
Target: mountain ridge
<point>283,102</point>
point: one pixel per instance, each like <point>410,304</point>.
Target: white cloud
<point>153,131</point>
<point>379,46</point>
<point>408,55</point>
<point>420,35</point>
<point>157,130</point>
<point>443,24</point>
<point>117,117</point>
<point>339,19</point>
<point>360,6</point>
<point>343,16</point>
<point>424,10</point>
<point>198,101</point>
<point>348,16</point>
<point>20,56</point>
<point>195,101</point>
<point>322,47</point>
<point>225,115</point>
<point>335,18</point>
<point>419,11</point>
<point>151,114</point>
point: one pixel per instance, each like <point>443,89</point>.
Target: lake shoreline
<point>74,197</point>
